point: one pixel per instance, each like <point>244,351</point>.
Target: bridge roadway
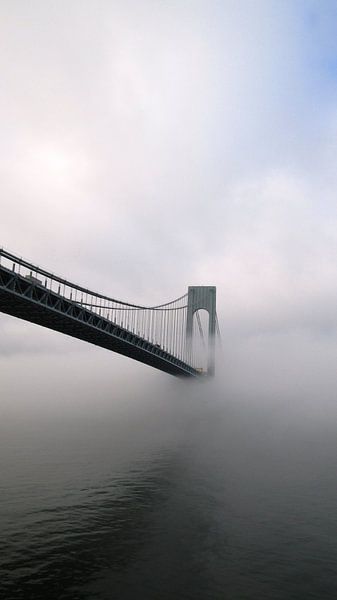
<point>31,301</point>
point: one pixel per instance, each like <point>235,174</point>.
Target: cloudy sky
<point>147,146</point>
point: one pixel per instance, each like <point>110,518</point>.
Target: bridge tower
<point>202,297</point>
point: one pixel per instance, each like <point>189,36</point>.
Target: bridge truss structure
<point>160,336</point>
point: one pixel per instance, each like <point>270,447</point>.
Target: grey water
<point>196,498</point>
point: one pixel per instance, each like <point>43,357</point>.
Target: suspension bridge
<point>167,336</point>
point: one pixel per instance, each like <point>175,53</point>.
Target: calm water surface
<point>197,500</point>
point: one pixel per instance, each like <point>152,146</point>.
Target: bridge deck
<point>31,301</point>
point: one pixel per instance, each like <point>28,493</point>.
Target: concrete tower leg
<point>202,297</point>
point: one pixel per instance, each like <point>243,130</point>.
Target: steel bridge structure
<point>160,336</point>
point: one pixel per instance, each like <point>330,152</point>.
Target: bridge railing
<point>163,325</point>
